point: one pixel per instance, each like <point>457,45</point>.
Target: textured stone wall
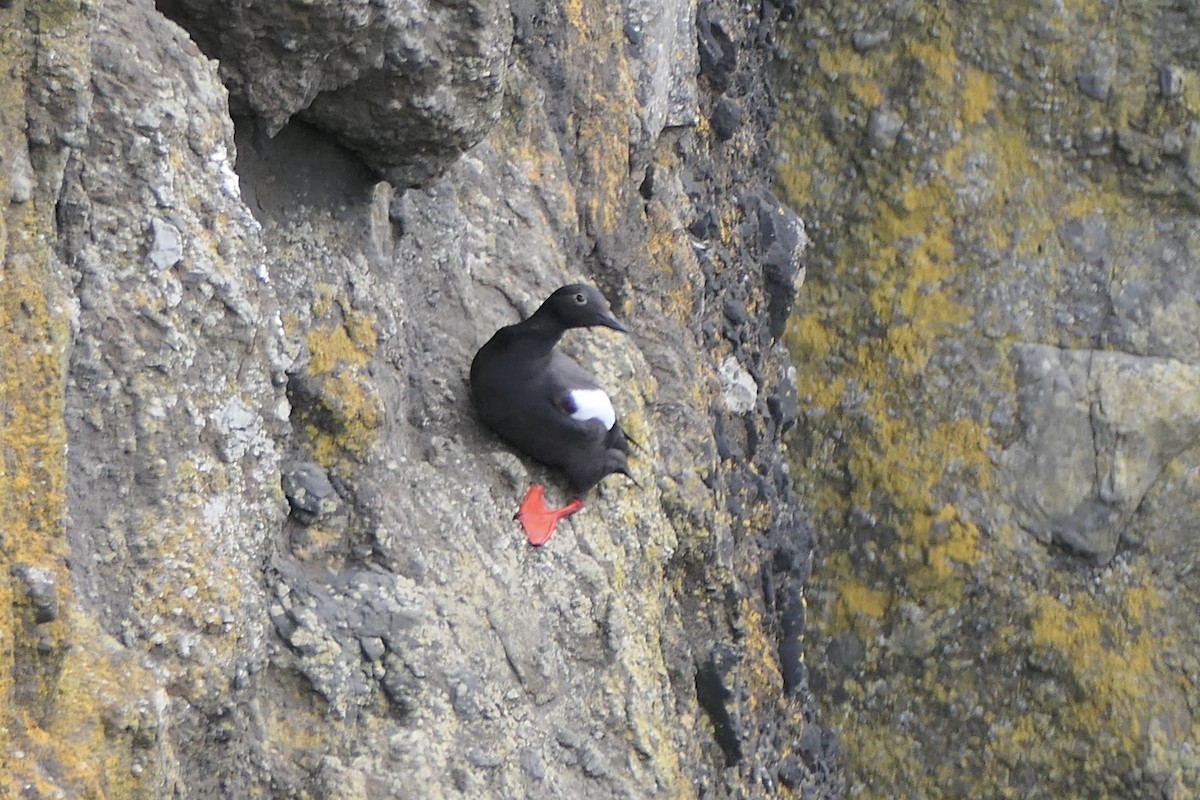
<point>996,352</point>
<point>254,542</point>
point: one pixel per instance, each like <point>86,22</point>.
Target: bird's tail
<point>621,440</point>
<point>617,463</point>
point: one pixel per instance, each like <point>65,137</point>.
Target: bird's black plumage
<point>527,391</point>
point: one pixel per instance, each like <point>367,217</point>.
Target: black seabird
<point>536,398</point>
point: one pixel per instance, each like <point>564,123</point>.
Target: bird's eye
<point>580,299</point>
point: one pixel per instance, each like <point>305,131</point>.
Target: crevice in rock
<point>715,693</point>
<point>300,165</point>
<point>177,12</point>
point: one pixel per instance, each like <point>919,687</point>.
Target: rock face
<point>997,363</point>
<point>407,86</point>
<point>1098,429</point>
<point>255,543</point>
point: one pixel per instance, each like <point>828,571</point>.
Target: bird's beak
<point>609,321</point>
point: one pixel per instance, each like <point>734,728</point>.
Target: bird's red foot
<point>539,521</point>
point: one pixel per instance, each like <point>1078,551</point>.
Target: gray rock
<point>400,685</point>
<point>535,660</point>
<point>782,241</point>
<point>532,764</point>
<point>41,590</point>
<point>1171,80</point>
<point>995,382</point>
<point>1088,237</point>
<point>726,118</point>
<point>21,179</point>
<point>1098,70</point>
<point>717,685</point>
<point>738,388</point>
<point>1098,428</point>
<point>717,50</point>
<point>170,392</point>
<point>883,127</point>
<point>408,86</point>
<point>483,759</point>
<point>166,244</point>
<point>372,647</point>
<point>308,490</point>
<point>865,40</point>
<point>594,764</point>
<point>664,63</point>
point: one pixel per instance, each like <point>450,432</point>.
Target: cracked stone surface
<point>1098,430</point>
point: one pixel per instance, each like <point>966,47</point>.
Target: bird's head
<point>580,306</point>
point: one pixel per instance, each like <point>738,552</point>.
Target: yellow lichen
<point>349,342</point>
<point>858,603</point>
<point>603,128</point>
<point>57,696</point>
<point>979,95</point>
<point>343,420</point>
<point>1116,660</point>
<point>33,336</point>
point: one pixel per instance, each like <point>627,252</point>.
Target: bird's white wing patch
<point>592,404</point>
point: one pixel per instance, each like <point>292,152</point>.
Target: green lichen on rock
<point>982,184</point>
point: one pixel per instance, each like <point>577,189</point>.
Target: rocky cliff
<point>254,542</point>
<point>997,356</point>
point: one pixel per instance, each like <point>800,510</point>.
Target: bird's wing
<point>589,404</point>
<point>576,394</point>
